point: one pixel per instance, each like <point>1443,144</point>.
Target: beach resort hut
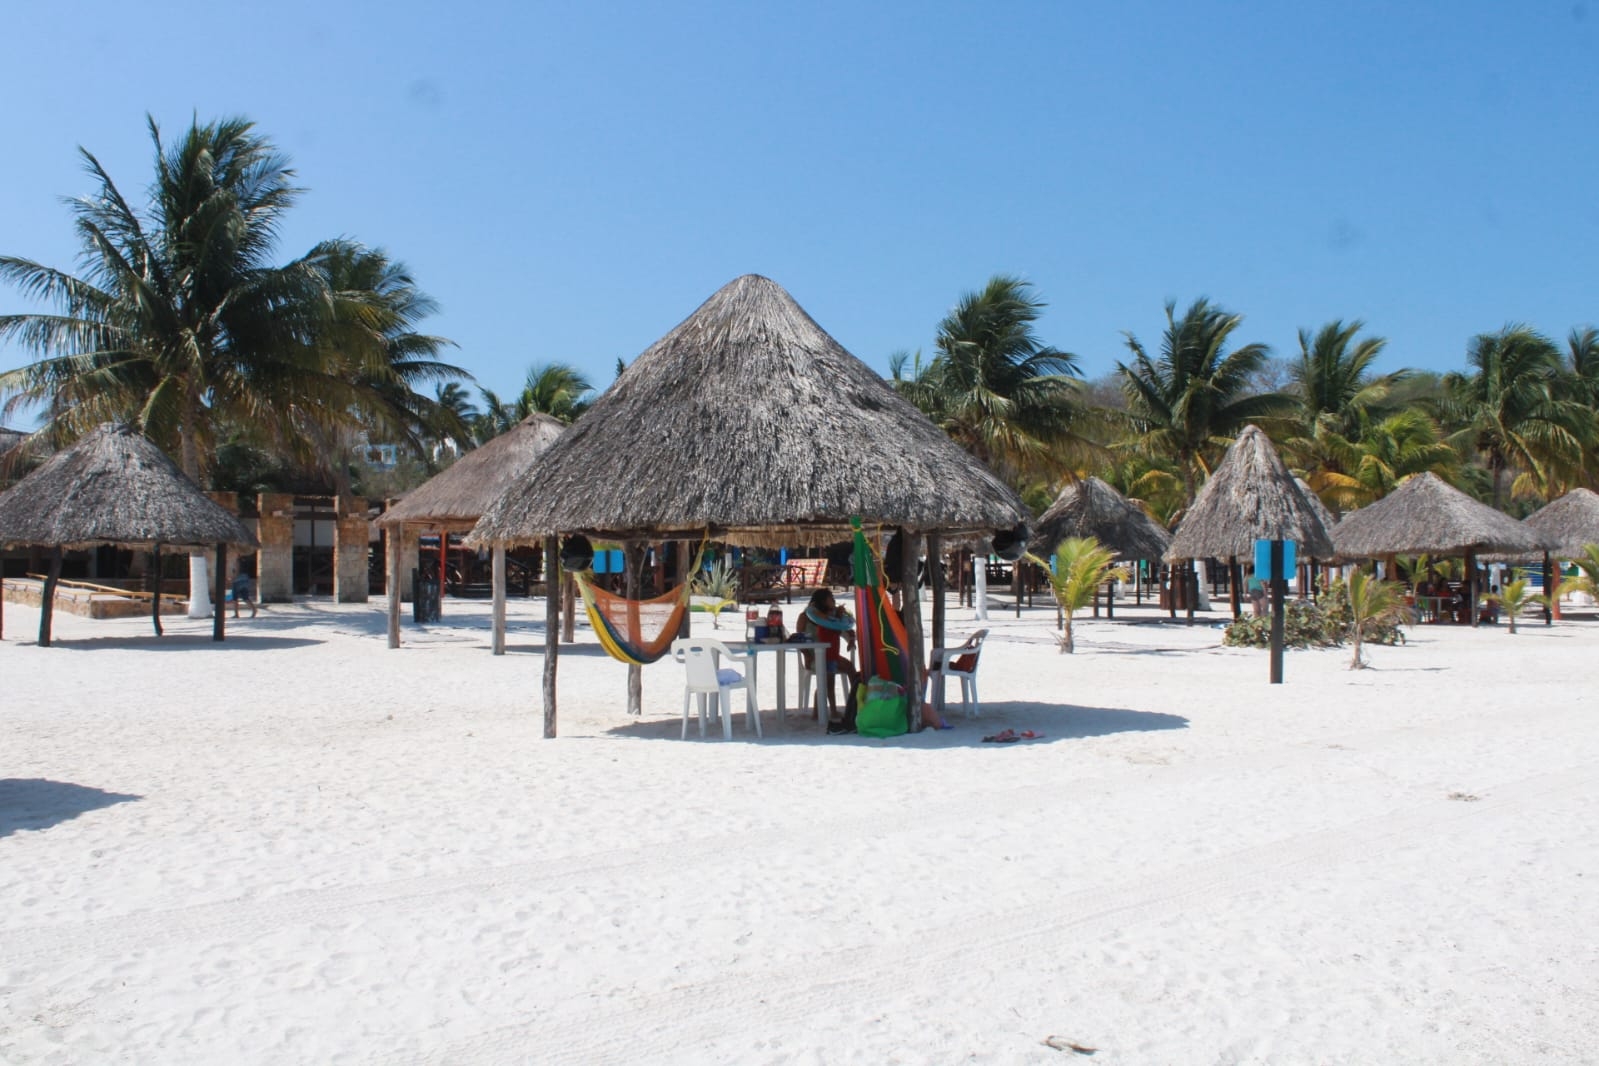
<point>1428,515</point>
<point>747,424</point>
<point>1091,508</point>
<point>116,487</point>
<point>1250,496</point>
<point>455,498</point>
<point>1568,525</point>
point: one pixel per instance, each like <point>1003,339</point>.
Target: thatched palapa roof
<point>1250,496</point>
<point>1426,514</point>
<point>1091,508</point>
<point>457,496</point>
<point>113,487</point>
<point>1569,523</point>
<point>749,422</point>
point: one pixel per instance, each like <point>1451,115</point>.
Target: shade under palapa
<point>1428,515</point>
<point>1091,508</point>
<point>114,486</point>
<point>1250,496</point>
<point>747,422</point>
<point>457,496</point>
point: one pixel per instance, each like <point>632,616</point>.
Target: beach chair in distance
<point>706,678</point>
<point>959,662</point>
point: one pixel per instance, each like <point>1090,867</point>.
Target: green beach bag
<point>882,710</point>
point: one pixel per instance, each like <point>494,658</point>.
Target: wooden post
<point>912,616</point>
<point>155,573</point>
<point>568,613</point>
<point>685,563</point>
<point>1279,585</point>
<point>1190,588</point>
<point>632,578</point>
<point>219,620</point>
<point>444,561</point>
<point>1235,575</point>
<point>1016,584</point>
<point>395,536</point>
<point>1551,588</point>
<point>935,576</point>
<point>552,630</point>
<point>1471,586</point>
<point>47,606</point>
<point>497,642</point>
<point>1110,599</point>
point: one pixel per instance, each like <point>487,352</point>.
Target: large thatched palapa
<point>748,424</point>
<point>1251,496</point>
<point>1426,514</point>
<point>1091,508</point>
<point>455,498</point>
<point>1568,524</point>
<point>113,487</point>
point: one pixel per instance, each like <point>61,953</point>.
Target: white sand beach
<point>301,847</point>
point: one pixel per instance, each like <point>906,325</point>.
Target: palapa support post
<point>552,632</point>
<point>1551,588</point>
<point>47,605</point>
<point>1235,575</point>
<point>1278,611</point>
<point>1471,587</point>
<point>1190,589</point>
<point>685,560</point>
<point>444,558</point>
<point>568,612</point>
<point>935,575</point>
<point>1110,598</point>
<point>497,642</point>
<point>393,538</point>
<point>219,622</point>
<point>1016,584</point>
<point>633,566</point>
<point>911,613</point>
<point>155,587</point>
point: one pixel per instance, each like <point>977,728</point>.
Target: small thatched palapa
<point>749,422</point>
<point>1251,496</point>
<point>1568,524</point>
<point>1091,508</point>
<point>456,497</point>
<point>1426,514</point>
<point>114,487</point>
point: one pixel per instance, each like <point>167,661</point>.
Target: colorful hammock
<point>879,632</point>
<point>621,623</point>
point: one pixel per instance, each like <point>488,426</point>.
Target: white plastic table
<point>819,655</point>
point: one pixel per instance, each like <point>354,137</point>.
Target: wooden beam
<point>47,606</point>
<point>219,600</point>
<point>910,551</point>
<point>552,630</point>
<point>935,575</point>
<point>497,578</point>
<point>392,543</point>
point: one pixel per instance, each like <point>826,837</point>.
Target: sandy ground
<point>300,846</point>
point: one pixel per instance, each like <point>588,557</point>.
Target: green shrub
<point>1323,624</point>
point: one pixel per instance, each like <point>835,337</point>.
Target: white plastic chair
<point>705,679</point>
<point>945,664</point>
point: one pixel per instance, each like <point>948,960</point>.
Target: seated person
<point>825,621</point>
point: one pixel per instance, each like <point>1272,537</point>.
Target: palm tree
<point>1516,597</point>
<point>1192,401</point>
<point>1507,410</point>
<point>1587,579</point>
<point>1081,567</point>
<point>180,322</point>
<point>1370,602</point>
<point>1000,392</point>
<point>554,389</point>
<point>1336,396</point>
<point>1384,454</point>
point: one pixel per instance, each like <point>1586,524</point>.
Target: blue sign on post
<point>1263,560</point>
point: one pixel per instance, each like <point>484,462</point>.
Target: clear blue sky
<point>572,180</point>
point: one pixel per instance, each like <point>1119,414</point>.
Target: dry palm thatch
<point>1091,508</point>
<point>749,422</point>
<point>1426,514</point>
<point>113,487</point>
<point>456,497</point>
<point>1569,523</point>
<point>1251,496</point>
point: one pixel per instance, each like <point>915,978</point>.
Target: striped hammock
<point>623,624</point>
<point>880,633</point>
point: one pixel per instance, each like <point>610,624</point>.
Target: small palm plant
<point>1516,597</point>
<point>1370,601</point>
<point>1587,580</point>
<point>718,584</point>
<point>1081,566</point>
